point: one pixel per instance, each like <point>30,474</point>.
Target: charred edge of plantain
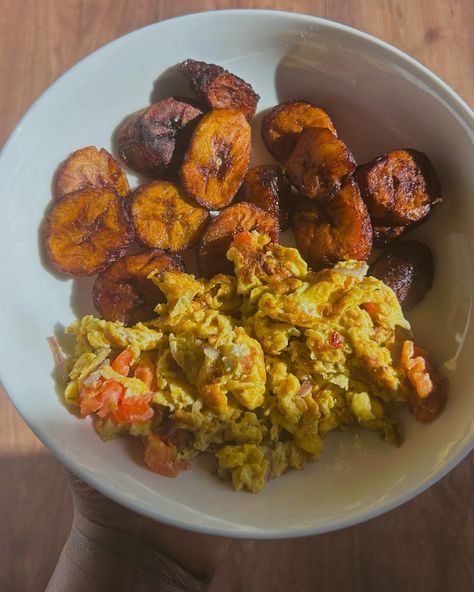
<point>123,293</point>
<point>219,88</point>
<point>153,141</point>
<point>390,200</point>
<point>267,187</point>
<point>408,269</point>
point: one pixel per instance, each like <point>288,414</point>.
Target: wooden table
<point>426,545</point>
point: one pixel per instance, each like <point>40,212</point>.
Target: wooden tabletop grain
<point>427,544</point>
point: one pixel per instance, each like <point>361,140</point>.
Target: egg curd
<point>254,369</point>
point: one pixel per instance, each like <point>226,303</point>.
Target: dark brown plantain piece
<point>319,163</point>
<point>408,269</point>
<point>283,124</point>
<point>90,167</point>
<point>165,218</point>
<point>385,235</point>
<point>154,140</point>
<point>217,158</point>
<point>123,293</point>
<point>427,409</point>
<point>267,187</point>
<point>87,230</point>
<point>219,88</point>
<point>217,238</point>
<point>399,187</point>
<point>336,231</point>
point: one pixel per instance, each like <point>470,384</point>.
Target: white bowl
<point>379,99</point>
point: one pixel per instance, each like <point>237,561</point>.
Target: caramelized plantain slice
<point>283,124</point>
<point>165,218</point>
<point>267,187</point>
<point>319,163</point>
<point>399,187</point>
<point>217,238</point>
<point>408,269</point>
<point>336,231</point>
<point>217,158</point>
<point>385,235</point>
<point>154,140</point>
<point>219,88</point>
<point>90,167</point>
<point>87,230</point>
<point>123,293</point>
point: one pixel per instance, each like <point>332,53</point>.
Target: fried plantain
<point>219,88</point>
<point>427,409</point>
<point>87,230</point>
<point>123,293</point>
<point>338,230</point>
<point>399,187</point>
<point>165,218</point>
<point>408,269</point>
<point>319,163</point>
<point>267,187</point>
<point>154,140</point>
<point>217,238</point>
<point>283,124</point>
<point>385,235</point>
<point>217,158</point>
<point>90,167</point>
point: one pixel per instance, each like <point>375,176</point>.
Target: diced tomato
<point>102,398</point>
<point>335,340</point>
<point>372,309</point>
<point>122,362</point>
<point>161,458</point>
<point>430,391</point>
<point>415,362</point>
<point>133,410</point>
<point>107,397</point>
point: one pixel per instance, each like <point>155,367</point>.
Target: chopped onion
<point>59,357</point>
<point>358,271</point>
<point>304,389</point>
<point>210,352</point>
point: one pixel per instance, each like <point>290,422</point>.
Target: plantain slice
<point>399,187</point>
<point>154,140</point>
<point>217,158</point>
<point>165,218</point>
<point>90,167</point>
<point>283,124</point>
<point>217,238</point>
<point>408,269</point>
<point>267,187</point>
<point>385,235</point>
<point>87,230</point>
<point>123,293</point>
<point>336,231</point>
<point>219,88</point>
<point>319,163</point>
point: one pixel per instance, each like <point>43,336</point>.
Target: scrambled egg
<point>254,369</point>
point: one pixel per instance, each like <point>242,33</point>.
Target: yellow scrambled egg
<point>254,369</point>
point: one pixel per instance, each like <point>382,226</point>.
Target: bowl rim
<point>452,101</point>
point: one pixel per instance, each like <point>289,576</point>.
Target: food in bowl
<point>255,362</point>
<point>254,369</point>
